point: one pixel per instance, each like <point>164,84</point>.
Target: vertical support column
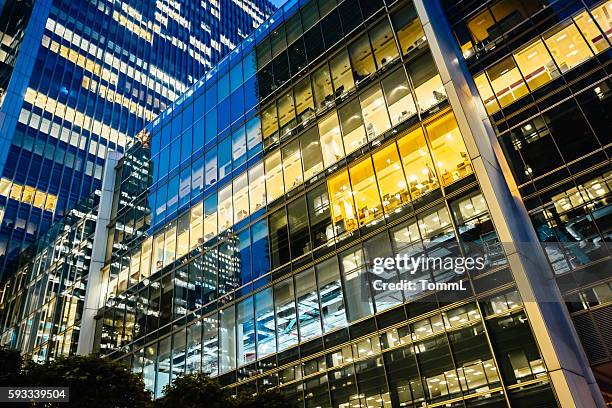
<point>98,253</point>
<point>555,334</point>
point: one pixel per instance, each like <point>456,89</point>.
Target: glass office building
<point>247,219</point>
<point>80,78</point>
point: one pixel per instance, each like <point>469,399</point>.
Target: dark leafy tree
<point>267,399</point>
<point>10,366</point>
<point>196,391</point>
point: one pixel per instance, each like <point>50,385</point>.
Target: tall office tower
<point>80,78</point>
<point>267,244</point>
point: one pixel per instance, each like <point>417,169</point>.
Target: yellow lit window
<point>303,100</point>
<point>269,121</point>
<point>5,187</point>
<point>225,208</point>
<point>342,76</point>
<point>390,176</point>
<point>343,209</point>
<point>449,152</point>
<point>286,112</point>
<point>292,165</point>
<point>417,163</point>
<point>257,187</point>
<point>122,283</point>
<point>486,93</point>
<point>353,131</point>
<point>274,176</point>
<point>195,225</point>
<point>210,217</point>
<point>241,197</point>
<point>135,267</point>
<point>331,141</point>
<point>507,82</point>
<point>312,157</point>
<point>170,244</point>
<point>51,202</point>
<point>39,199</point>
<point>28,194</point>
<point>603,16</point>
<point>16,191</point>
<point>567,46</point>
<point>535,63</point>
<point>375,113</point>
<point>591,32</point>
<point>399,98</point>
<point>365,192</point>
<point>158,252</point>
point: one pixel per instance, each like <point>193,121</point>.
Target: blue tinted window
<point>223,114</point>
<point>237,104</point>
<point>165,135</point>
<point>253,130</point>
<point>211,97</point>
<point>249,65</point>
<point>186,145</point>
<point>244,246</point>
<point>211,126</point>
<point>239,147</point>
<point>197,177</point>
<point>199,106</point>
<point>264,317</point>
<point>260,246</point>
<point>198,135</point>
<point>176,126</point>
<point>173,187</point>
<point>164,158</point>
<point>225,158</point>
<point>184,187</point>
<point>210,175</point>
<point>223,87</point>
<point>250,93</point>
<point>236,77</point>
<point>175,153</point>
<point>188,115</point>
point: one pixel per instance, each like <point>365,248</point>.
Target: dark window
<point>332,29</point>
<point>279,238</point>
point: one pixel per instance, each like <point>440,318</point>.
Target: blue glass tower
<point>80,78</point>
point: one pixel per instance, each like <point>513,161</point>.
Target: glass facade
<point>324,141</point>
<point>90,76</point>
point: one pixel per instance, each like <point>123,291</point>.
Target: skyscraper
<point>80,78</point>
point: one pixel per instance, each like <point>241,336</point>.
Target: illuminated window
<point>342,75</point>
<point>225,208</point>
<point>383,43</point>
<point>257,187</point>
<point>210,217</point>
<point>158,252</point>
<point>312,158</point>
<point>28,194</point>
<point>365,192</point>
<point>241,197</point>
<point>323,91</point>
<point>390,176</point>
<point>361,58</point>
<point>506,82</point>
<point>16,191</point>
<point>274,176</point>
<point>417,163</point>
<point>486,93</point>
<point>196,225</point>
<point>375,113</point>
<point>449,152</point>
<point>536,65</point>
<point>145,258</point>
<point>286,112</point>
<point>331,141</point>
<point>269,121</point>
<point>343,209</point>
<point>353,132</point>
<point>170,244</point>
<point>567,46</point>
<point>5,187</point>
<point>428,87</point>
<point>303,100</point>
<point>50,202</point>
<point>408,28</point>
<point>292,165</point>
<point>603,16</point>
<point>399,98</point>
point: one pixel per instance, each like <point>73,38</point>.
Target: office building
<point>80,78</point>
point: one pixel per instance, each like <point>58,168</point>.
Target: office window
<point>279,238</point>
<point>227,339</point>
<point>253,132</point>
<point>589,28</point>
<point>170,243</point>
<point>210,167</point>
<point>331,141</point>
<point>342,206</point>
<point>269,121</point>
<point>210,345</point>
<point>449,152</point>
<point>292,165</point>
<point>241,197</point>
<point>330,295</point>
<point>399,98</point>
<point>294,28</point>
<point>182,244</point>
<point>408,28</point>
<point>567,46</point>
<point>390,176</point>
<point>353,132</point>
<point>226,212</point>
<point>145,258</point>
<point>342,75</point>
<point>418,164</point>
<point>196,225</point>
<point>375,113</point>
<point>274,176</point>
<point>285,312</point>
<point>303,100</point>
<point>193,360</point>
<point>312,159</point>
<point>428,87</point>
<point>245,324</point>
<point>286,112</point>
<point>535,63</point>
<point>361,58</point>
<point>365,192</point>
<point>321,228</point>
<point>356,287</point>
<point>210,217</point>
<point>323,90</point>
<point>257,187</point>
<point>224,157</point>
<point>239,147</point>
<point>506,81</point>
<point>299,237</point>
<point>309,313</point>
<point>486,93</point>
<point>264,318</point>
<point>383,43</point>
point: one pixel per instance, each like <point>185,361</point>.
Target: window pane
<point>246,331</point>
<point>239,147</point>
<point>193,359</point>
<point>408,28</point>
<point>210,168</point>
<point>361,59</point>
<point>536,65</point>
<point>303,100</point>
<point>196,225</point>
<point>279,238</point>
<point>330,293</point>
<point>225,208</point>
<point>210,345</point>
<point>450,154</point>
<point>590,30</point>
<point>227,339</point>
<point>292,165</point>
<point>257,187</point>
<point>365,192</point>
<point>286,319</point>
<point>399,98</point>
<point>323,91</point>
<point>286,112</point>
<point>308,305</point>
<point>390,176</point>
<point>567,46</point>
<point>269,121</point>
<point>274,176</point>
<point>331,142</point>
<point>321,228</point>
<point>241,197</point>
<point>353,132</point>
<point>383,43</point>
<point>170,244</point>
<point>264,317</point>
<point>182,243</point>
<point>418,164</point>
<point>358,297</point>
<point>343,209</point>
<point>342,75</point>
<point>253,129</point>
<point>374,112</point>
<point>225,157</point>
<point>210,217</point>
<point>428,86</point>
<point>507,82</point>
<point>311,153</point>
<point>298,227</point>
<point>486,93</point>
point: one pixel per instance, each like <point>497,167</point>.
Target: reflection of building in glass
<point>337,134</point>
<point>80,78</point>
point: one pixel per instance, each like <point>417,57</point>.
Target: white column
<point>98,253</point>
<point>563,355</point>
